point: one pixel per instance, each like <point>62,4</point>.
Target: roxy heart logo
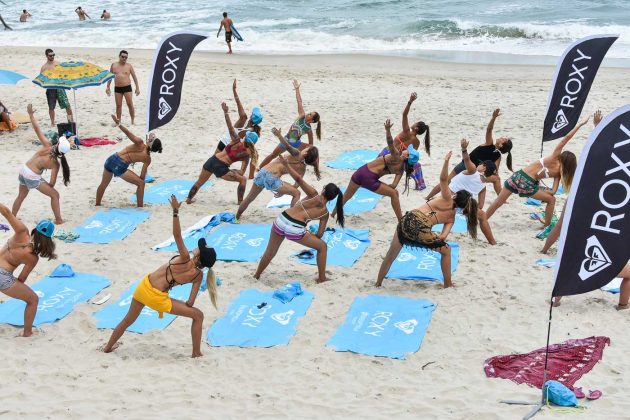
<point>596,259</point>
<point>406,256</point>
<point>351,243</point>
<point>407,326</point>
<point>283,318</point>
<point>95,224</point>
<point>560,123</point>
<point>164,108</point>
<point>255,242</point>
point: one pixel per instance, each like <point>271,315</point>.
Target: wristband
<point>175,212</point>
<point>464,151</point>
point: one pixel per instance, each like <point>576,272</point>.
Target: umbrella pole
<point>76,112</point>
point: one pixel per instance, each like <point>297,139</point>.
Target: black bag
<point>63,127</point>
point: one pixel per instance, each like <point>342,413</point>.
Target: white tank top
<point>226,139</point>
<point>471,183</point>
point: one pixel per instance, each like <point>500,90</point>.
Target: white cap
<point>63,146</point>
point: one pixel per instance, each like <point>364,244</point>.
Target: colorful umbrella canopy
<point>73,75</point>
<point>8,77</point>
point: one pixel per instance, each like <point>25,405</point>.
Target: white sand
<point>498,306</point>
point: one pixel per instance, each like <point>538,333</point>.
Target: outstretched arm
<point>177,230</point>
<point>135,139</point>
<point>298,98</point>
<point>16,224</point>
<point>242,116</point>
<point>308,189</point>
<point>390,140</point>
<point>470,166</point>
<point>321,229</point>
<point>446,192</point>
<point>292,150</point>
<point>482,198</point>
<point>569,136</point>
<point>194,291</point>
<point>490,128</point>
<point>445,231</point>
<point>145,168</point>
<point>228,122</point>
<point>40,134</point>
<point>405,115</point>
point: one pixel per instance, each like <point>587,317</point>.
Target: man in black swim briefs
<point>122,85</point>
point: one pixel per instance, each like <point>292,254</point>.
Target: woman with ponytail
<point>117,165</point>
<point>302,125</point>
<point>269,176</point>
<point>368,175</point>
<point>407,137</point>
<point>152,291</point>
<point>414,229</point>
<point>292,223</point>
<point>219,164</point>
<point>48,156</point>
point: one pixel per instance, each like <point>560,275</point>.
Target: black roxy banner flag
<point>595,236</point>
<point>574,76</point>
<point>167,76</point>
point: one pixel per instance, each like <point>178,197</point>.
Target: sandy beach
<point>497,307</point>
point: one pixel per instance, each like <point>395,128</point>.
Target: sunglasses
<point>51,55</point>
<point>123,56</point>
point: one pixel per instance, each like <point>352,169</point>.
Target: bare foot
<point>200,354</point>
<point>59,222</point>
<point>621,307</point>
<point>378,284</point>
<point>25,334</point>
<point>256,276</point>
<point>104,348</point>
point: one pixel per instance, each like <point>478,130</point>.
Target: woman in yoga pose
<point>269,176</point>
<point>491,150</point>
<point>24,248</point>
<point>292,223</point>
<point>152,291</point>
<point>118,163</point>
<point>219,164</point>
<point>301,126</point>
<point>414,229</point>
<point>368,175</point>
<point>559,165</point>
<point>47,157</point>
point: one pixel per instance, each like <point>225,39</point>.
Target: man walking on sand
<point>122,85</point>
<point>227,24</point>
<point>82,13</point>
<point>55,95</point>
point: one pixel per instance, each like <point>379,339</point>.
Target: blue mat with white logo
<point>257,319</point>
<point>161,192</point>
<point>201,229</point>
<point>387,326</point>
<point>57,298</point>
<point>239,242</point>
<point>363,200</point>
<point>421,264</point>
<point>460,225</point>
<point>353,159</point>
<point>345,247</point>
<point>110,225</point>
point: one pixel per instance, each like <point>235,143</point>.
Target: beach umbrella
<point>73,75</point>
<point>8,77</point>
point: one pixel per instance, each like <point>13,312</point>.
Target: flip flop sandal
<point>594,395</point>
<point>579,393</point>
<point>306,254</point>
<point>102,300</point>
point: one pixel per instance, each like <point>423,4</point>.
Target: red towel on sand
<point>568,361</point>
<point>96,141</point>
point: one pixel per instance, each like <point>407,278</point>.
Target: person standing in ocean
<point>122,85</point>
<point>55,95</point>
<point>82,13</point>
<point>106,15</point>
<point>25,15</point>
<point>227,24</point>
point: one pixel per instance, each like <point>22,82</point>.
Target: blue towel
<point>148,321</point>
<point>57,297</point>
<point>460,225</point>
<point>110,225</point>
<point>533,202</point>
<point>286,293</point>
<point>546,262</point>
<point>237,242</point>
<point>388,326</point>
<point>353,159</point>
<point>345,246</point>
<point>199,230</point>
<point>148,179</point>
<point>256,319</point>
<point>363,200</point>
<point>161,192</point>
<point>421,264</point>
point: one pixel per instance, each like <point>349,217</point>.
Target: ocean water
<point>460,30</point>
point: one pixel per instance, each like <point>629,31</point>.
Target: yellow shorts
<point>155,299</point>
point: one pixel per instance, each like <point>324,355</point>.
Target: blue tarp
<point>421,264</point>
<point>110,225</point>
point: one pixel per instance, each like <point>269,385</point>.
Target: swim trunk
<point>522,184</point>
<point>296,143</point>
<point>414,230</point>
<point>286,226</point>
<point>267,180</point>
<point>216,166</point>
<point>122,89</point>
<point>57,95</point>
<point>366,178</point>
<point>116,165</point>
<point>228,36</point>
<point>6,279</point>
<point>30,179</point>
<point>155,299</point>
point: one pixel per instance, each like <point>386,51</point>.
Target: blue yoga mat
<point>199,230</point>
<point>363,200</point>
<point>249,323</point>
<point>345,247</point>
<point>460,225</point>
<point>533,202</point>
<point>237,242</point>
<point>110,225</point>
<point>57,297</point>
<point>387,326</point>
<point>148,321</point>
<point>353,159</point>
<point>161,192</point>
<point>421,264</point>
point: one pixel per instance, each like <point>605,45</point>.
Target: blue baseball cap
<point>251,137</point>
<point>46,228</point>
<point>414,155</point>
<point>68,134</point>
<point>257,115</point>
